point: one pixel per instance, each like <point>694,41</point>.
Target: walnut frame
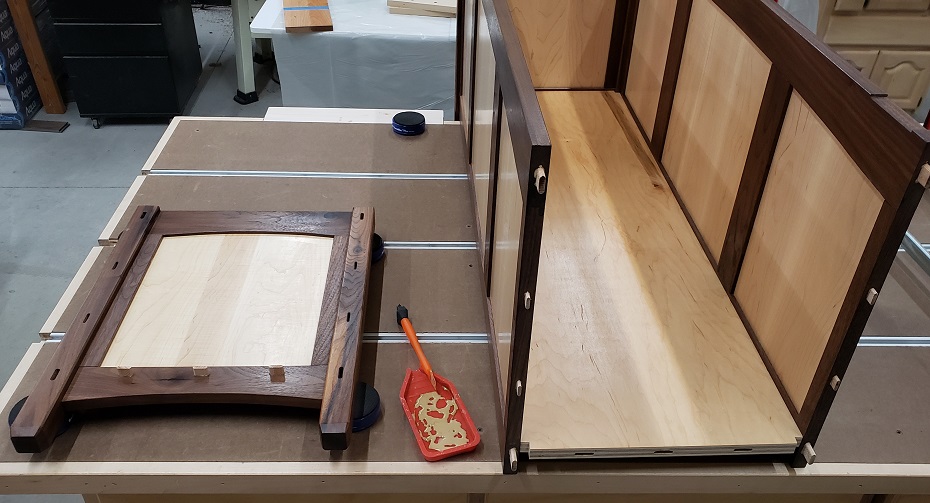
<point>77,382</point>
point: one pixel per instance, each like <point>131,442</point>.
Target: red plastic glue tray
<point>446,409</point>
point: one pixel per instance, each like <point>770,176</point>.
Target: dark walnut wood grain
<point>102,387</point>
<point>34,428</point>
<point>676,50</point>
<point>76,381</point>
<point>336,411</point>
<point>758,161</point>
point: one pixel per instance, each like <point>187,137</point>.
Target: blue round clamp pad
<point>409,124</point>
<point>367,407</point>
<point>377,248</point>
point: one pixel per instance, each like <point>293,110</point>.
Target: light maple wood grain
<point>717,100</point>
<point>307,15</point>
<point>565,42</point>
<point>508,223</point>
<point>635,342</point>
<point>407,11</point>
<point>226,300</point>
<point>483,132</point>
<point>815,217</point>
<point>442,6</point>
<point>648,57</point>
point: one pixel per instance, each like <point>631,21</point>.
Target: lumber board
<point>346,344</point>
<point>408,11</point>
<point>41,69</point>
<point>721,82</point>
<point>791,287</point>
<point>443,6</point>
<point>636,344</point>
<point>565,42</point>
<point>226,300</point>
<point>38,421</point>
<point>301,16</point>
<point>648,56</point>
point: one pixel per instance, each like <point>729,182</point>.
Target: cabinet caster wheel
<point>96,123</point>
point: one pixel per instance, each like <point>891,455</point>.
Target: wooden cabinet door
<point>849,5</point>
<point>863,60</point>
<point>897,4</point>
<point>905,75</point>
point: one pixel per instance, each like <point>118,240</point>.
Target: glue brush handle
<point>404,321</point>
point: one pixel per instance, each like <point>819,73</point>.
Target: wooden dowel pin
<point>276,372</point>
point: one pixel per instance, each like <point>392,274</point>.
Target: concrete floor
<point>57,191</point>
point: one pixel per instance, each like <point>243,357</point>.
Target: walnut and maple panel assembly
<point>657,278</point>
<point>636,346</point>
<point>255,308</point>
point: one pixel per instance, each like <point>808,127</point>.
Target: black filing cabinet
<point>128,58</point>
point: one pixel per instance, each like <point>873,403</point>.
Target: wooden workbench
<point>431,264</point>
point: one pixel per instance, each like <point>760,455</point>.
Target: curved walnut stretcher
<point>204,307</point>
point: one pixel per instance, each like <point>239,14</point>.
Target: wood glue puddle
<point>437,427</point>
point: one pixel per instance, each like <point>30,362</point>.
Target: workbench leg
<point>242,36</point>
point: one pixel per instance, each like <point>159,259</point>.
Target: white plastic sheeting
<point>371,59</point>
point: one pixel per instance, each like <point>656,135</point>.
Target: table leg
<point>242,37</point>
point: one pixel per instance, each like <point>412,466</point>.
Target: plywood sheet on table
<point>717,100</point>
<point>880,412</point>
<point>815,217</point>
<point>226,300</point>
<point>237,433</point>
<point>407,210</point>
<point>565,42</point>
<point>635,342</point>
<point>443,288</point>
<point>290,146</point>
<point>648,56</point>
